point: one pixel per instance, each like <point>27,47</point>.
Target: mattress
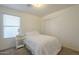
<point>42,44</point>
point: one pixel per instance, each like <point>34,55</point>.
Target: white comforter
<point>42,44</point>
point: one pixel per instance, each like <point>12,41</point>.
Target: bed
<point>40,44</point>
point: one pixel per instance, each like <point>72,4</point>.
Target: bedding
<point>42,44</point>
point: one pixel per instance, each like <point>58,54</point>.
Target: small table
<point>20,41</point>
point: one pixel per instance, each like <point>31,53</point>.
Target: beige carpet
<point>14,51</point>
<point>24,51</point>
<point>67,51</point>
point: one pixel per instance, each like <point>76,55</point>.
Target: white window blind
<point>11,25</point>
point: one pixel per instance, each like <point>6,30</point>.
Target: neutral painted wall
<point>63,24</point>
<point>29,22</point>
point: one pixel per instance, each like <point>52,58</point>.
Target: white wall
<point>28,23</point>
<point>63,24</point>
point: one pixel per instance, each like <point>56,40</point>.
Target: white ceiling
<point>41,11</point>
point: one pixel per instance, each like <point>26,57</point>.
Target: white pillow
<point>32,33</point>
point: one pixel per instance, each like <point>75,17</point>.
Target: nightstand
<point>20,41</point>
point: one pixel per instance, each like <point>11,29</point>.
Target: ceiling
<point>39,11</point>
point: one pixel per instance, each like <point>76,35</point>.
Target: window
<point>11,25</point>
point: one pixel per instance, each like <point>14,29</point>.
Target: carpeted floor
<point>14,51</point>
<point>67,51</point>
<point>24,51</point>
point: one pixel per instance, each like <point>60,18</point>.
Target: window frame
<point>10,26</point>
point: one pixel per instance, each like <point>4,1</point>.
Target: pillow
<point>32,33</point>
